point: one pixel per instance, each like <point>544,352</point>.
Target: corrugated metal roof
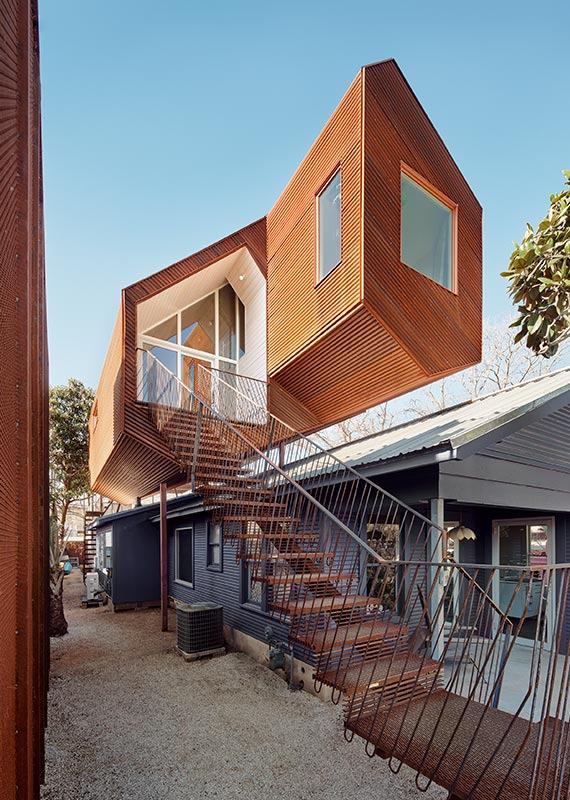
<point>458,425</point>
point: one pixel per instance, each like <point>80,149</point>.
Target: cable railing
<point>459,670</point>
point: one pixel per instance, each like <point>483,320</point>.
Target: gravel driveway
<point>128,718</point>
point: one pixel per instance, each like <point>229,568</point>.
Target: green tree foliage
<point>539,278</point>
<point>69,409</point>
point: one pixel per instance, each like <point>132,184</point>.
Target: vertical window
<point>328,209</point>
<point>184,556</point>
<point>214,560</point>
<point>427,232</point>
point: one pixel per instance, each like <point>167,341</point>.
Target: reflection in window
<point>228,328</point>
<point>199,326</point>
<point>167,357</point>
<point>166,330</point>
<point>329,208</point>
<point>427,233</point>
<point>214,545</point>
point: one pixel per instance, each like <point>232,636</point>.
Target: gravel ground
<point>129,718</point>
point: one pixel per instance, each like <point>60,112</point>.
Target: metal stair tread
<point>451,740</point>
<point>319,605</point>
<point>347,635</point>
<point>397,667</point>
<point>307,577</point>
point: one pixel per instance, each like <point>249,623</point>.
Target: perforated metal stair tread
<point>317,605</point>
<point>288,556</point>
<point>396,668</point>
<point>307,577</point>
<point>347,635</point>
<point>287,537</point>
<point>469,749</point>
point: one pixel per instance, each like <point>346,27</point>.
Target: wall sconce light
<point>461,532</point>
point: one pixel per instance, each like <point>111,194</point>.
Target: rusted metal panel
<point>23,415</point>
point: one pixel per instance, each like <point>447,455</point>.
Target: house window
<point>211,332</point>
<point>184,556</point>
<point>214,559</point>
<point>329,208</point>
<point>428,231</point>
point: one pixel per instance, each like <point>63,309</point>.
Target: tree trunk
<point>57,621</point>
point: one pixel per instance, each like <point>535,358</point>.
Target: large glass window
<point>198,325</point>
<point>427,233</point>
<point>209,332</point>
<point>329,213</point>
<point>184,555</point>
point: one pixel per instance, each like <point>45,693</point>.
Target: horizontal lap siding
<point>298,312</point>
<point>138,461</point>
<point>334,381</point>
<point>106,427</point>
<point>224,588</point>
<point>441,329</point>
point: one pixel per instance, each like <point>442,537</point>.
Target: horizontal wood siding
<point>442,330</point>
<point>136,561</point>
<point>298,311</point>
<point>106,427</point>
<point>224,588</point>
<point>335,379</point>
<point>137,460</point>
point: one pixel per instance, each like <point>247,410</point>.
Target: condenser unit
<point>200,630</point>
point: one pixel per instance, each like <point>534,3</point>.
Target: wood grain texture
<point>298,310</point>
<point>128,458</point>
<point>440,329</point>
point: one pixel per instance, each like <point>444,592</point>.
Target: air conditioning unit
<point>200,630</point>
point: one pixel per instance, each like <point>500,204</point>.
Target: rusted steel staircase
<point>413,645</point>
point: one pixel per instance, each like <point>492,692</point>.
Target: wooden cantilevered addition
<point>362,282</point>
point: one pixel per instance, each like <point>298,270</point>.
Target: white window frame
<point>215,359</point>
<point>177,578</point>
<point>326,184</point>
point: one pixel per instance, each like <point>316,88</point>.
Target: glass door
<point>524,543</point>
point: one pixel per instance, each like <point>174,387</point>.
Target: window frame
<point>177,578</point>
<point>213,567</point>
<point>328,180</point>
<point>436,194</point>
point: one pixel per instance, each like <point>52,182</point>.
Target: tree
<point>369,422</point>
<point>539,278</point>
<point>69,409</point>
<point>505,361</point>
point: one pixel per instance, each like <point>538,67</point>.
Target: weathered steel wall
<point>24,645</point>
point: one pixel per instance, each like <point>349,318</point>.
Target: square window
<point>427,232</point>
<point>329,213</point>
<point>214,558</point>
<point>184,556</point>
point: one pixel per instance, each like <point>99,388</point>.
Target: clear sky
<point>168,125</point>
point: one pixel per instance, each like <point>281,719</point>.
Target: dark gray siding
<point>136,561</point>
<point>225,587</point>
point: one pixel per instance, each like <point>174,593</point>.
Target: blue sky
<point>169,125</point>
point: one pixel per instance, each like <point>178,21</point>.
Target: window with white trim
<point>184,556</point>
<point>428,231</point>
<point>329,220</point>
<point>214,555</point>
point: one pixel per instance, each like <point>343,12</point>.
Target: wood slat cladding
<point>24,501</point>
<point>127,456</point>
<point>135,470</point>
<point>440,328</point>
<point>298,310</point>
<point>340,385</point>
<point>412,324</point>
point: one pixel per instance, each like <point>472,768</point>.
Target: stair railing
<point>393,631</point>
